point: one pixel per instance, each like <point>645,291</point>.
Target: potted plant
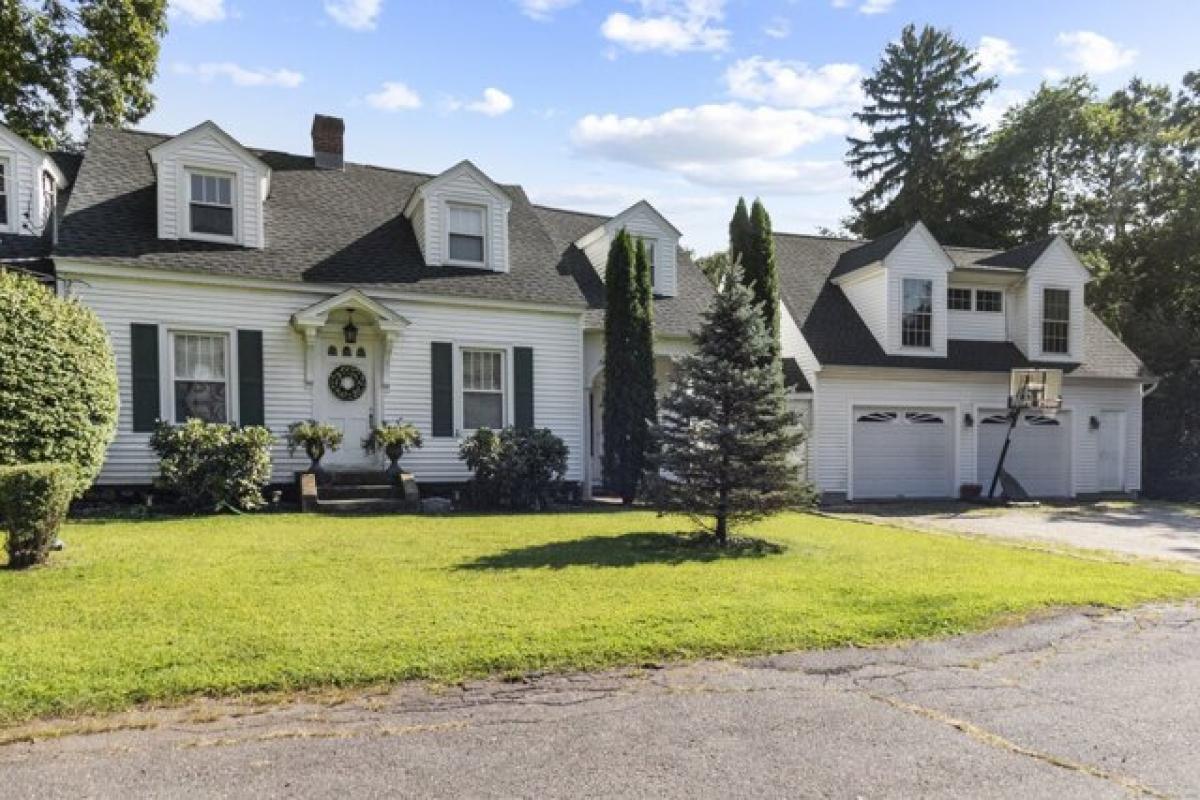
<point>315,438</point>
<point>394,440</point>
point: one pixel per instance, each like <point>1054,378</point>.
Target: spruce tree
<point>739,232</point>
<point>726,439</point>
<point>920,100</point>
<point>629,404</point>
<point>760,270</point>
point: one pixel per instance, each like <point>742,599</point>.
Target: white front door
<point>345,398</point>
<point>1111,467</point>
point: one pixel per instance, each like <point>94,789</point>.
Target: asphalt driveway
<point>1081,704</point>
<point>1141,529</point>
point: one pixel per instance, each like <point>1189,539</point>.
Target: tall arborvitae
<point>726,440</point>
<point>760,270</point>
<point>739,232</point>
<point>628,358</point>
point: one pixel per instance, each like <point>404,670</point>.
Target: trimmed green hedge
<point>209,465</point>
<point>34,499</point>
<point>58,381</point>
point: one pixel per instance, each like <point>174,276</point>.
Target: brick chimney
<point>327,136</point>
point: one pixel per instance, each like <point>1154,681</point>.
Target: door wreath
<point>347,382</point>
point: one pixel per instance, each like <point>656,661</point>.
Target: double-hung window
<point>482,389</point>
<point>200,379</point>
<point>4,192</point>
<point>464,226</point>
<point>916,323</point>
<point>649,245</point>
<point>958,299</point>
<point>49,198</point>
<point>1056,321</point>
<point>210,206</point>
<point>989,300</point>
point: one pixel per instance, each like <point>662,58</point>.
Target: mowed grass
<point>160,610</point>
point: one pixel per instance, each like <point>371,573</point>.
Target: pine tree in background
<point>920,100</point>
<point>726,439</point>
<point>760,272</point>
<point>628,358</point>
<point>739,232</point>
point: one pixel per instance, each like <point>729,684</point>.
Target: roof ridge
<point>576,212</point>
<point>826,237</point>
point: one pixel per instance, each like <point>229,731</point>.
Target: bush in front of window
<point>515,468</point>
<point>211,466</point>
<point>34,499</point>
<point>58,380</point>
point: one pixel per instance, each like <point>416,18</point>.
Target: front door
<point>1111,466</point>
<point>345,395</point>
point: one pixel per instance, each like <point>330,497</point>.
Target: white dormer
<point>210,188</point>
<point>1049,314</point>
<point>901,294</point>
<point>461,219</point>
<point>659,236</point>
<point>29,181</point>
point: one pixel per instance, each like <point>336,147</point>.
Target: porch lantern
<point>351,330</point>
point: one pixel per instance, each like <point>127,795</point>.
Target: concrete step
<point>362,505</point>
<point>359,491</point>
<point>355,477</point>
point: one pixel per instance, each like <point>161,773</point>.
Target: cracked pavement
<point>1077,704</point>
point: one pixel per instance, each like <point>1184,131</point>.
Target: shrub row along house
<point>262,287</point>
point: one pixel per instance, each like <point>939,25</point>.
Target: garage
<point>1040,455</point>
<point>902,452</point>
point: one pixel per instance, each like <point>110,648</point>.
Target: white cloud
<point>778,28</point>
<point>199,11</point>
<point>493,103</point>
<point>1095,53</point>
<point>997,56</point>
<point>709,144</point>
<point>778,176</point>
<point>394,96</point>
<point>670,26</point>
<point>543,10</point>
<point>794,84</point>
<point>867,6</point>
<point>357,15</point>
<point>241,76</point>
<point>998,102</point>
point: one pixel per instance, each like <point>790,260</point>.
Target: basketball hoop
<point>1036,390</point>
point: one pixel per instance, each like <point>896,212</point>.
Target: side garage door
<point>1040,455</point>
<point>902,452</point>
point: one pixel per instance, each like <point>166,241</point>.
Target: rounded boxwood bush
<point>58,380</point>
<point>33,504</point>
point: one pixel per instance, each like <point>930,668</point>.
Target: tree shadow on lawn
<point>625,550</point>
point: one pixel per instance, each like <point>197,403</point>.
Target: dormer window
<point>916,324</point>
<point>210,206</point>
<point>1056,321</point>
<point>464,227</point>
<point>649,245</point>
<point>4,171</point>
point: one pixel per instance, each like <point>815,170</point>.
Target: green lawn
<point>159,610</point>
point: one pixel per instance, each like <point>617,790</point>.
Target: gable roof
<point>838,335</point>
<point>465,165</point>
<point>865,253</point>
<point>1022,257</point>
<point>208,126</point>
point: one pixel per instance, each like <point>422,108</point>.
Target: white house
<point>261,287</point>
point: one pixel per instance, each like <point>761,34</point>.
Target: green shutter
<point>523,386</point>
<point>143,357</point>
<point>250,378</point>
<point>442,384</point>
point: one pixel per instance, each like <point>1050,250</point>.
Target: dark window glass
<point>989,300</point>
<point>3,193</point>
<point>916,325</point>
<point>466,248</point>
<point>1056,321</point>
<point>958,299</point>
<point>212,204</point>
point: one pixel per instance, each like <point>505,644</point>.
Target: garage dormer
<point>644,223</point>
<point>210,188</point>
<point>461,219</point>
<point>897,283</point>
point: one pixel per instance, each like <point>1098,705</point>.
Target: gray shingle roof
<point>673,316</point>
<point>1022,257</point>
<point>864,253</point>
<point>838,335</point>
<point>322,226</point>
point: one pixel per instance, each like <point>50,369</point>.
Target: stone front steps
<point>357,492</point>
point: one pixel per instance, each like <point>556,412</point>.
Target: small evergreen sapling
<point>726,438</point>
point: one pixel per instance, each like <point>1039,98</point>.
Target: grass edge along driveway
<point>158,611</point>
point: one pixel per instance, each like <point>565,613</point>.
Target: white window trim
<point>9,160</point>
<point>460,430</point>
<point>167,369</point>
<point>975,301</point>
<point>651,242</point>
<point>920,348</point>
<point>1041,322</point>
<point>485,211</point>
<point>234,195</point>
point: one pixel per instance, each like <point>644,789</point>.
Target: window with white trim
<point>916,322</point>
<point>989,300</point>
<point>200,376</point>
<point>650,247</point>
<point>210,204</point>
<point>464,227</point>
<point>4,191</point>
<point>482,389</point>
<point>1056,321</point>
<point>958,299</point>
<point>49,198</point>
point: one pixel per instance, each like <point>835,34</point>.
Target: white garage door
<point>902,452</point>
<point>1040,455</point>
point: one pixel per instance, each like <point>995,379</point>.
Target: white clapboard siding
<point>917,256</point>
<point>461,184</point>
<point>975,393</point>
<point>982,326</point>
<point>23,184</point>
<point>1056,269</point>
<point>640,221</point>
<point>795,346</point>
<point>555,338</point>
<point>869,296</point>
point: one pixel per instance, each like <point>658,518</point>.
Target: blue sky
<point>593,104</point>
